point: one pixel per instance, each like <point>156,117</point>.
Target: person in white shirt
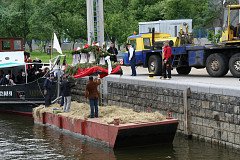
<point>132,58</point>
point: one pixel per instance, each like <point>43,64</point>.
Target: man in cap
<point>92,94</point>
<point>132,58</point>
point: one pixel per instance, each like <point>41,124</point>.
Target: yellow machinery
<point>218,59</point>
<point>231,28</point>
<point>144,41</point>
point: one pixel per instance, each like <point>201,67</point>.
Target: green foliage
<point>38,19</point>
<point>214,38</point>
<point>45,57</point>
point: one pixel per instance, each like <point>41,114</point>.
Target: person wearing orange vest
<point>167,54</point>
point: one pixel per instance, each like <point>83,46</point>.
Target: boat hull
<point>115,136</point>
<point>23,97</point>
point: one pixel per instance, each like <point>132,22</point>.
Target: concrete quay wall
<point>205,111</point>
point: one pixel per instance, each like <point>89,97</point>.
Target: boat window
<point>17,45</point>
<point>146,42</point>
<point>6,45</point>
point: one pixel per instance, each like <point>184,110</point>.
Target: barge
<point>113,135</point>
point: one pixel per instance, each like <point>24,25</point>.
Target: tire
<point>155,65</point>
<point>217,65</point>
<point>183,70</point>
<point>234,65</point>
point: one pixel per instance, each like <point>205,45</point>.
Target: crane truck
<point>218,58</point>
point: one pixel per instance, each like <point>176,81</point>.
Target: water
<point>21,139</point>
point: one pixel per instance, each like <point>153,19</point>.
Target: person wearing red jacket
<point>167,54</point>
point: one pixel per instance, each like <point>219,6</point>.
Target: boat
<point>20,97</point>
<point>113,135</point>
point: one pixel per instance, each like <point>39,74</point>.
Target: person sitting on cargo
<point>92,94</point>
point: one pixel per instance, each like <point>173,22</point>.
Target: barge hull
<point>115,136</point>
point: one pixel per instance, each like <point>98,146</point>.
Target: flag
<point>56,44</point>
<point>109,64</point>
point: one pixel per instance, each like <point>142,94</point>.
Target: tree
<point>38,19</point>
<point>61,16</point>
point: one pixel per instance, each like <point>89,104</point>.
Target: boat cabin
<point>11,44</point>
<point>15,62</point>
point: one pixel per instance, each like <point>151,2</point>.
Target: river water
<point>21,139</point>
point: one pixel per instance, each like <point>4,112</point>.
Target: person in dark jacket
<point>66,86</point>
<point>48,91</point>
<point>167,54</point>
<point>20,78</point>
<point>92,94</point>
<point>132,58</point>
<point>114,52</point>
<point>5,80</point>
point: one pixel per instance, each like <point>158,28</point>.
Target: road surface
<point>196,76</point>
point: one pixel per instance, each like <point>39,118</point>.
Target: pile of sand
<point>107,114</point>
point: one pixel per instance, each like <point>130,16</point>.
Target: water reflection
<point>21,139</point>
<point>72,147</point>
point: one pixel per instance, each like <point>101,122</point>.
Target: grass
<point>45,57</point>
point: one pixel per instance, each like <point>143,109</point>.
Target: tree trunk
<point>73,44</point>
<point>29,42</point>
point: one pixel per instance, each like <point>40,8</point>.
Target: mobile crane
<point>217,58</point>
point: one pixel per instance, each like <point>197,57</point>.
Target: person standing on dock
<point>48,84</point>
<point>113,51</point>
<point>92,94</point>
<point>66,86</point>
<point>132,58</point>
<point>167,54</point>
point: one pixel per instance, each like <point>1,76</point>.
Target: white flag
<point>109,64</point>
<point>56,44</point>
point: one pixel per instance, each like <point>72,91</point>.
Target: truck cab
<point>148,50</point>
<point>231,27</point>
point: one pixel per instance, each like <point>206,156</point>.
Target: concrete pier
<point>206,111</point>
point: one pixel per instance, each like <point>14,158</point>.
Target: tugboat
<point>21,80</point>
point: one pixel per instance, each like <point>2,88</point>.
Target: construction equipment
<point>217,58</point>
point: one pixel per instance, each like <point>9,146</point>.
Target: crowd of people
<point>32,73</point>
<point>91,92</point>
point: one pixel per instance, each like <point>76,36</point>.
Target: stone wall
<point>205,115</point>
<point>78,92</point>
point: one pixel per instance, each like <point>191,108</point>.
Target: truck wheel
<point>234,65</point>
<point>217,65</point>
<point>183,70</point>
<point>155,65</point>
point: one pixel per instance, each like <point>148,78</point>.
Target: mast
<point>95,21</point>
